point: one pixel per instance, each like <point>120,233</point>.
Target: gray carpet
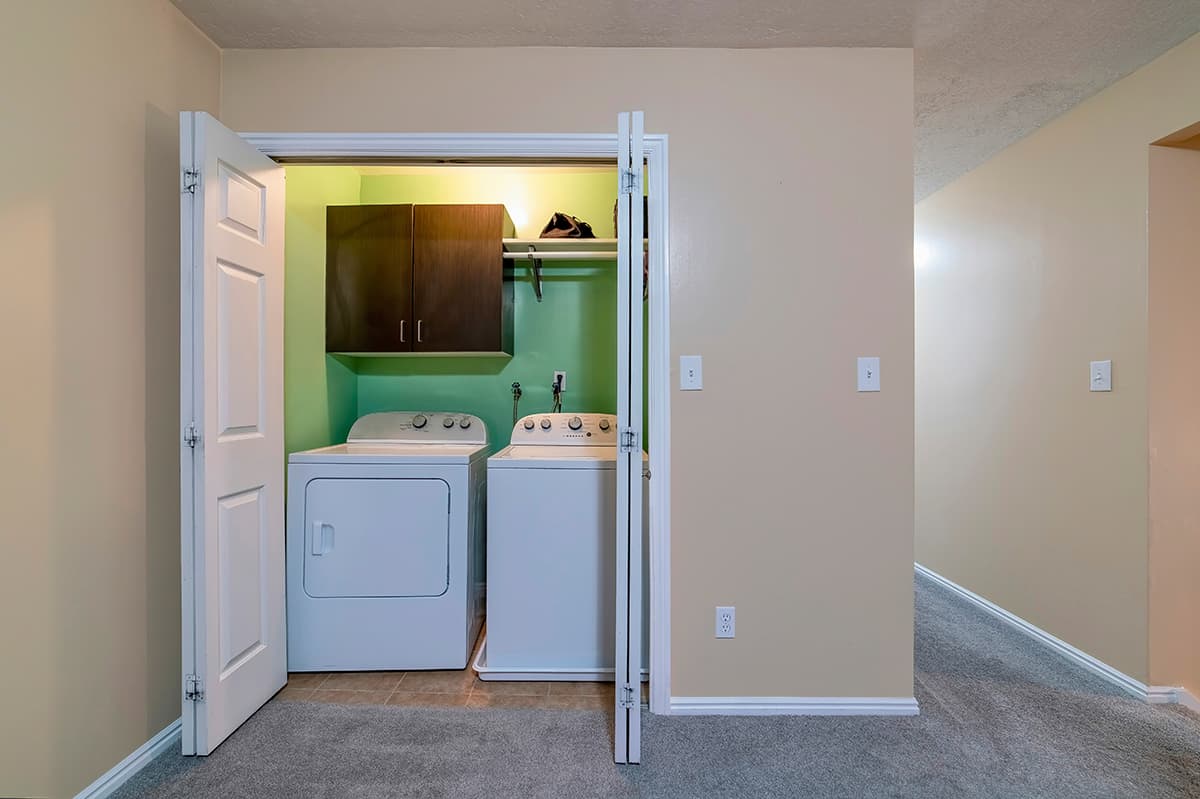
<point>1000,717</point>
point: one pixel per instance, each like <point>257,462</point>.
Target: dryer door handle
<point>322,538</point>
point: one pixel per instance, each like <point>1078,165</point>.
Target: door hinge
<point>191,436</point>
<point>193,688</point>
<point>628,698</point>
<point>630,181</point>
<point>628,441</point>
<point>191,179</point>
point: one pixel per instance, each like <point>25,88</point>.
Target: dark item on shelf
<point>645,216</point>
<point>565,226</point>
<point>645,233</point>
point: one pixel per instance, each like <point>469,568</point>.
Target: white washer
<point>551,553</point>
<point>385,545</point>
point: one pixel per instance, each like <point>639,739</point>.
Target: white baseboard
<point>1154,694</point>
<point>793,706</point>
<point>137,760</point>
<point>1187,699</point>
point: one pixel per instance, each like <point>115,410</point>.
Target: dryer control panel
<point>424,427</point>
<point>580,429</point>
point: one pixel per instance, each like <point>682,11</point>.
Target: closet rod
<point>561,256</point>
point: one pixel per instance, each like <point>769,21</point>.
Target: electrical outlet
<point>563,385</point>
<point>725,621</point>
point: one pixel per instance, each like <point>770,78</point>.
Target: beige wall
<point>1174,417</point>
<point>791,181</point>
<point>1031,490</point>
<point>89,578</point>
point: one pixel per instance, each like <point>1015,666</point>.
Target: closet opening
<point>451,424</point>
<point>465,293</point>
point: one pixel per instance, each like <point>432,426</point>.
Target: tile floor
<point>443,689</point>
<point>460,688</point>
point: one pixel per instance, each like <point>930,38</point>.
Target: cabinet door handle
<point>419,321</point>
<point>401,331</point>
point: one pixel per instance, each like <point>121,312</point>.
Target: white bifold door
<point>232,467</point>
<point>627,735</point>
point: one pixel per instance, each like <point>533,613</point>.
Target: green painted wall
<point>573,328</point>
<point>320,392</point>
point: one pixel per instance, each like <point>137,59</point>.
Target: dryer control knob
<point>464,423</point>
<point>604,424</point>
<point>575,423</point>
<point>419,421</point>
<point>447,422</point>
<point>528,424</point>
<point>545,424</point>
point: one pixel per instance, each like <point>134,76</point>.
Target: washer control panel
<point>582,429</point>
<point>426,427</point>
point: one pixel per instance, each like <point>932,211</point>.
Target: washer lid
<point>418,427</point>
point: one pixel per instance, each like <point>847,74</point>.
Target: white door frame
<point>317,147</point>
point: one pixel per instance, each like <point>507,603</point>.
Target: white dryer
<point>551,552</point>
<point>385,545</point>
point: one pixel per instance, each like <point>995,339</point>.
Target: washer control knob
<point>419,421</point>
<point>575,423</point>
<point>528,424</point>
<point>447,422</point>
<point>545,424</point>
<point>604,424</point>
<point>464,422</point>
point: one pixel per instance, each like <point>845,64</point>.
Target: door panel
<point>234,640</point>
<point>460,298</point>
<point>376,538</point>
<point>629,555</point>
<point>368,278</point>
<point>241,303</point>
<point>243,601</point>
<point>242,202</point>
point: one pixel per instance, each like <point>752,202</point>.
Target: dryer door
<point>376,537</point>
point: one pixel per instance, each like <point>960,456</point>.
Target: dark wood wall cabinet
<point>417,279</point>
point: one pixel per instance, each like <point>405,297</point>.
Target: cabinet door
<point>461,301</point>
<point>368,278</point>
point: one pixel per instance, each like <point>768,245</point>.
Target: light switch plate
<point>868,374</point>
<point>1101,375</point>
<point>691,373</point>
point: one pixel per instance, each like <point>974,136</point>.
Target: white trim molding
<point>316,147</point>
<point>1153,694</point>
<point>793,706</point>
<point>138,759</point>
<point>659,389</point>
<point>1187,699</point>
<point>346,147</point>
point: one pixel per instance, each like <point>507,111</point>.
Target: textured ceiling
<point>987,71</point>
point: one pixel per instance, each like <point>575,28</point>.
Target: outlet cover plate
<point>563,385</point>
<point>726,621</point>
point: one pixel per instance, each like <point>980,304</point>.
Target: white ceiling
<point>987,71</point>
